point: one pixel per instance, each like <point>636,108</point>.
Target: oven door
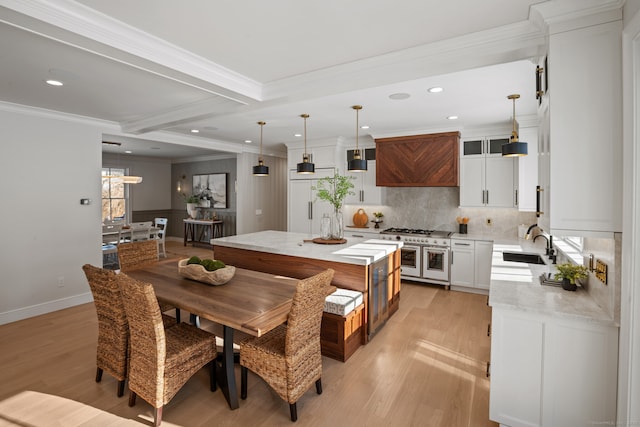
<point>410,261</point>
<point>436,263</point>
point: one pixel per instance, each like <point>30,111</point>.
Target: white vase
<point>205,203</point>
<point>191,210</point>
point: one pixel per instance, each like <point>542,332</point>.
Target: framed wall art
<point>212,187</point>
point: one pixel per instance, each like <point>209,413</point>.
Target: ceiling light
<point>399,96</point>
<point>195,131</point>
<point>54,82</point>
<point>452,117</point>
<point>126,179</point>
<point>357,164</point>
<point>306,167</point>
<point>297,135</point>
<point>128,151</point>
<point>435,89</point>
<point>364,127</point>
<point>260,169</point>
<point>514,148</point>
<point>248,141</point>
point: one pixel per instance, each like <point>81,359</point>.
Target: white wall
<point>46,167</point>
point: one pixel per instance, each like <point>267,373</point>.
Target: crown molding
<point>558,16</point>
<point>140,47</point>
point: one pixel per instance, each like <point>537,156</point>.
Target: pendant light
<point>125,179</point>
<point>514,147</point>
<point>261,169</point>
<point>306,167</point>
<point>357,164</point>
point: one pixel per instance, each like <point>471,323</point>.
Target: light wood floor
<point>425,368</point>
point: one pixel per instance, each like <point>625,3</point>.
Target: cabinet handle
<point>489,330</point>
<point>451,257</point>
<point>310,210</point>
<point>487,196</point>
<point>462,244</point>
<point>538,191</point>
<point>488,369</point>
<point>362,195</point>
<point>483,197</point>
<point>516,197</point>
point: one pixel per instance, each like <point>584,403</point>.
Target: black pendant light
<point>306,167</point>
<point>261,169</point>
<point>514,148</point>
<point>357,164</point>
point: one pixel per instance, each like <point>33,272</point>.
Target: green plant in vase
<point>334,189</point>
<point>569,273</point>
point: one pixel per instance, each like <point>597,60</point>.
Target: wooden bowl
<point>199,273</point>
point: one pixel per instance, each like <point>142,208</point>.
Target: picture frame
<point>213,187</point>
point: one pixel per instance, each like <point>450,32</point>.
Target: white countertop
<point>359,251</point>
<point>516,286</point>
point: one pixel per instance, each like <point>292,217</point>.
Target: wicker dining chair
<point>288,358</point>
<point>113,329</point>
<point>161,361</point>
<point>136,254</point>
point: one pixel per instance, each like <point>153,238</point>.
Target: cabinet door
<point>462,262</point>
<point>372,194</point>
<point>300,206</point>
<point>472,181</point>
<point>499,182</point>
<point>473,147</point>
<point>528,171</point>
<point>516,369</point>
<point>483,257</point>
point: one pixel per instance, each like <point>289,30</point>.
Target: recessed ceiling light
<point>248,141</point>
<point>399,96</point>
<point>452,117</point>
<point>54,82</point>
<point>298,135</point>
<point>435,89</point>
<point>128,151</point>
<point>195,131</point>
<point>364,127</point>
<point>155,148</point>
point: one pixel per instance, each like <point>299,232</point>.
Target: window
<point>114,194</point>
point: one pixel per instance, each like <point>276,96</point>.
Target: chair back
<point>305,316</point>
<point>140,231</point>
<point>111,234</point>
<point>113,328</point>
<point>161,224</point>
<point>147,336</point>
<point>135,254</point>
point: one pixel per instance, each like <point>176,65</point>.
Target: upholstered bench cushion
<point>342,301</point>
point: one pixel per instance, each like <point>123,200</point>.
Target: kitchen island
<point>370,266</point>
<point>553,352</point>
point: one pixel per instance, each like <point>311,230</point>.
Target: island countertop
<point>359,251</point>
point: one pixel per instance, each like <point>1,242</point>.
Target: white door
<point>462,262</point>
<point>300,206</point>
<point>472,181</point>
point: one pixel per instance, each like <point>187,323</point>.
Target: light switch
<point>85,201</point>
<point>258,211</point>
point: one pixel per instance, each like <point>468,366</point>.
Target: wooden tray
<point>329,241</point>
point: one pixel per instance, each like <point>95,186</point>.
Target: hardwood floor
<point>426,367</point>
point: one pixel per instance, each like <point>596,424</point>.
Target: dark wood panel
<point>418,161</point>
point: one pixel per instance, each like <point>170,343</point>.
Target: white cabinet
<point>487,178</point>
<point>550,371</point>
<point>305,212</point>
<point>365,189</point>
<point>462,262</point>
<point>482,264</point>
<point>584,133</point>
<point>528,171</point>
<point>362,234</point>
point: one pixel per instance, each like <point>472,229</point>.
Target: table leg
<point>226,372</point>
<point>186,229</point>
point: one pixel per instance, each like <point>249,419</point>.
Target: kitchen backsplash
<point>437,208</point>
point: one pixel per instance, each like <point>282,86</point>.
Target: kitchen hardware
<point>601,271</point>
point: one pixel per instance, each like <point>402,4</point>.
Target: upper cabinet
<point>582,122</point>
<point>365,189</point>
<point>418,161</point>
<point>487,178</point>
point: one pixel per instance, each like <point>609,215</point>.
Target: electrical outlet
<point>61,282</point>
<point>489,222</point>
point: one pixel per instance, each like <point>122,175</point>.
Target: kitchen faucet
<point>549,249</point>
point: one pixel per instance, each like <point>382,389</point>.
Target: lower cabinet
<point>548,371</point>
<point>483,257</point>
<point>471,263</point>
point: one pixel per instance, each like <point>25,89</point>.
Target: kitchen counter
<point>516,286</point>
<point>359,251</point>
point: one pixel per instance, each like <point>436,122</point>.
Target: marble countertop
<point>516,286</point>
<point>359,251</point>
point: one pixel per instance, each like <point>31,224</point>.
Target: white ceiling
<point>159,68</point>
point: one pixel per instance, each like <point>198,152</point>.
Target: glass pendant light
<point>261,169</point>
<point>306,167</point>
<point>357,164</point>
<point>514,148</point>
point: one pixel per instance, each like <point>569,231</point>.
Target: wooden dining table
<point>252,302</point>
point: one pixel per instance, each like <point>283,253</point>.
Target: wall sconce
<point>180,184</point>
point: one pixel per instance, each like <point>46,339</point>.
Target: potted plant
<point>192,202</point>
<point>334,189</point>
<point>377,218</point>
<point>569,273</point>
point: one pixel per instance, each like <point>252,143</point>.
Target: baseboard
<point>46,307</point>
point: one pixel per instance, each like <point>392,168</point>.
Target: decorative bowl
<point>199,273</point>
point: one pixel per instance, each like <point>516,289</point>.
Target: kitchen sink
<point>529,258</point>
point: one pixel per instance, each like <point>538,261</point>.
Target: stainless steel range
<point>425,254</point>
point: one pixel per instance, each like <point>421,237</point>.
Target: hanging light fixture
<point>261,169</point>
<point>357,164</point>
<point>514,147</point>
<point>126,179</point>
<point>306,167</point>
